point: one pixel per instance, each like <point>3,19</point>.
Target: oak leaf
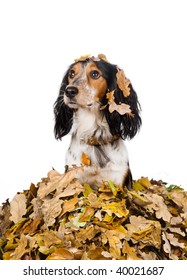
<point>122,109</point>
<point>123,83</point>
<point>18,207</point>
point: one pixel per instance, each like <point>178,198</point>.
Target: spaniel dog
<point>100,108</point>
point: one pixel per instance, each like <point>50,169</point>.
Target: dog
<point>100,108</point>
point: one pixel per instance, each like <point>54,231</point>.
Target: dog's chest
<point>108,158</point>
<point>107,162</point>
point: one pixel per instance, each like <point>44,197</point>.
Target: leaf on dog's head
<point>90,57</point>
<point>123,83</point>
<point>82,57</point>
<point>102,57</point>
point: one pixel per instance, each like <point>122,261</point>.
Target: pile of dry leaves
<point>62,219</point>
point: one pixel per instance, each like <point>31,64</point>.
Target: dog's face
<point>94,83</point>
<point>86,85</point>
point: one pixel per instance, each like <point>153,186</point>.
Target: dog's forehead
<point>84,66</point>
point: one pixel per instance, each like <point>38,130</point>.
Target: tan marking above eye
<point>74,71</point>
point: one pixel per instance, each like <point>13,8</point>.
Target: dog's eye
<point>71,74</point>
<point>95,74</point>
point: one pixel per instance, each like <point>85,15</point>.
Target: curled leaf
<point>122,109</point>
<point>123,83</point>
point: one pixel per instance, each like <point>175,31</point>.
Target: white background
<point>39,39</point>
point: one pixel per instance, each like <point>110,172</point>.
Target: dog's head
<point>95,84</point>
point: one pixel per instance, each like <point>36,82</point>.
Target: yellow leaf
<point>7,255</point>
<point>117,208</point>
<point>137,186</point>
<point>87,214</point>
<point>144,181</point>
<point>139,199</point>
<point>107,218</point>
<point>31,226</point>
<point>87,233</point>
<point>130,252</point>
<point>20,249</point>
<point>113,187</point>
<point>87,190</point>
<point>60,254</point>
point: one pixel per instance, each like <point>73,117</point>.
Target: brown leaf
<point>130,252</point>
<point>61,254</point>
<point>31,226</point>
<point>87,233</point>
<point>122,109</point>
<point>123,83</point>
<point>102,57</point>
<point>159,206</point>
<point>87,214</point>
<point>174,240</point>
<point>147,231</point>
<point>62,219</point>
<point>21,248</point>
<point>18,207</point>
<point>51,208</point>
<point>69,205</point>
<point>57,182</point>
<point>5,217</point>
<point>166,245</point>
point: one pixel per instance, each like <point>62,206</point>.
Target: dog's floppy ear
<point>63,114</point>
<point>123,110</point>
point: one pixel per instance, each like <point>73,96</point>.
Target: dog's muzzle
<point>71,91</point>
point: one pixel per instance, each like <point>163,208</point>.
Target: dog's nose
<point>71,91</point>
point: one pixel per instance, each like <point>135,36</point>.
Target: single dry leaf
<point>51,208</point>
<point>31,226</point>
<point>61,254</point>
<point>20,249</point>
<point>18,207</point>
<point>85,159</point>
<point>4,217</point>
<point>69,205</point>
<point>166,245</point>
<point>82,57</point>
<point>123,83</point>
<point>159,206</point>
<point>130,252</point>
<point>174,241</point>
<point>102,57</point>
<point>87,214</point>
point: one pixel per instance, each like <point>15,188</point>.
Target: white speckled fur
<point>86,122</point>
